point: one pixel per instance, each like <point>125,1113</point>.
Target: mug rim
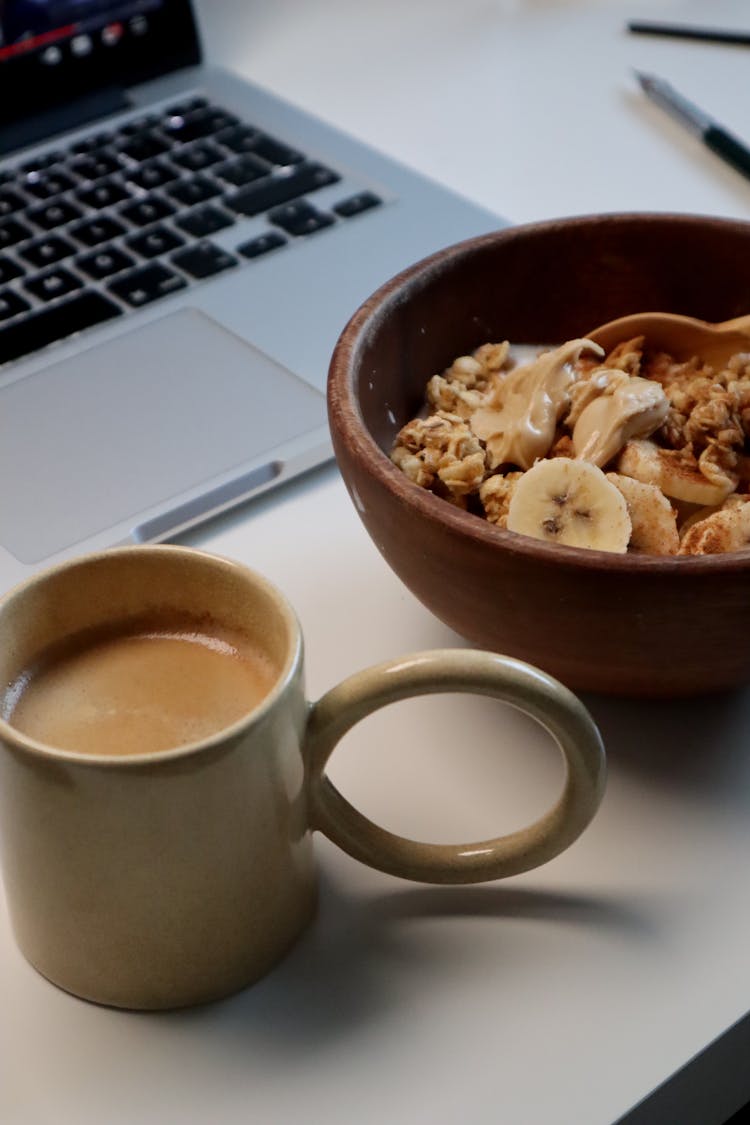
<point>20,741</point>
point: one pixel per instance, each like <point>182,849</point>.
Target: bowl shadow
<point>695,747</point>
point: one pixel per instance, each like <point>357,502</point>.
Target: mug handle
<point>456,670</point>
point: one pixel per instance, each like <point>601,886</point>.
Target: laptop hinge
<point>73,115</point>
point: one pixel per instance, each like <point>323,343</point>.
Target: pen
<point>685,31</point>
<point>714,136</point>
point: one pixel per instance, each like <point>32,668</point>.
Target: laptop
<point>179,251</point>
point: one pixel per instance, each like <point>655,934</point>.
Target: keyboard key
<point>46,326</point>
<point>45,185</point>
<point>199,103</point>
<point>147,210</point>
<point>55,283</point>
<point>9,269</point>
<point>95,231</point>
<point>300,218</point>
<point>240,138</point>
<point>40,162</point>
<point>204,221</point>
<point>158,240</point>
<point>55,214</point>
<point>10,202</point>
<point>105,262</point>
<point>243,170</point>
<point>104,194</point>
<point>261,245</point>
<point>147,284</point>
<point>47,251</point>
<point>195,125</point>
<point>86,145</point>
<point>153,174</point>
<point>182,109</point>
<point>275,152</point>
<point>356,204</point>
<point>11,232</point>
<point>143,147</point>
<point>139,125</point>
<point>100,140</point>
<point>89,144</point>
<point>96,165</point>
<point>196,157</point>
<point>275,190</point>
<point>11,304</point>
<point>204,260</point>
<point>199,189</point>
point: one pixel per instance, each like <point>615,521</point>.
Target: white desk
<point>562,997</point>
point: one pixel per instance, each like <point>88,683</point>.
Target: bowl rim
<point>348,427</point>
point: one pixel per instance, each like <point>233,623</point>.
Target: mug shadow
<point>348,969</point>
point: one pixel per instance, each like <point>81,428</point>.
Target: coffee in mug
<point>162,774</point>
<point>153,686</point>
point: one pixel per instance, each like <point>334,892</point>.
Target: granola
<point>669,439</point>
<point>441,453</point>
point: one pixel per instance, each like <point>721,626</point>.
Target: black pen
<point>686,31</point>
<point>713,135</point>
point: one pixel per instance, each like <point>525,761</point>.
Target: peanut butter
<point>630,407</point>
<point>518,427</point>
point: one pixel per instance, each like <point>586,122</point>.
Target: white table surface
<point>565,996</point>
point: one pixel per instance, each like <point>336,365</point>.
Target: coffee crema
<point>140,691</point>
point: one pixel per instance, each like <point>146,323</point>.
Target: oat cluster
<point>672,438</point>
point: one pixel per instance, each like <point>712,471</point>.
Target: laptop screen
<point>52,51</point>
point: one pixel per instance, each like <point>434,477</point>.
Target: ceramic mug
<point>162,879</point>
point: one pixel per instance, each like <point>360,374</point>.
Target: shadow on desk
<point>695,747</point>
<point>695,751</point>
<point>348,970</point>
<point>365,959</point>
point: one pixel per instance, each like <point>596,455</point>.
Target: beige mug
<point>161,878</point>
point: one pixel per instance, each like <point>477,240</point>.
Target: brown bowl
<point>624,624</point>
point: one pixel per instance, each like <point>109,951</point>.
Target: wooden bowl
<point>623,624</point>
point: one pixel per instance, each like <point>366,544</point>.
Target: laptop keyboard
<point>126,217</point>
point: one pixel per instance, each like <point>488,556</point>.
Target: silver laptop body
<point>175,407</point>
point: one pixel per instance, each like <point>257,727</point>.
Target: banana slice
<point>725,530</point>
<point>653,518</point>
<point>645,461</point>
<point>570,502</point>
<point>698,514</point>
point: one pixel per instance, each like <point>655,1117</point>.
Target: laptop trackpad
<point>105,436</point>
